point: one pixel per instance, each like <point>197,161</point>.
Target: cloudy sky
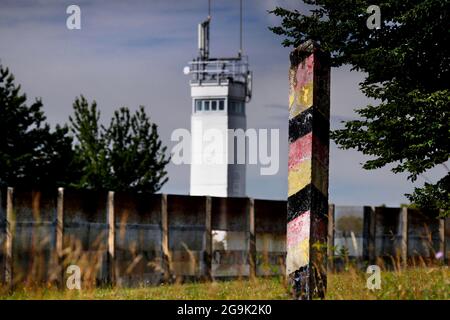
<point>131,53</point>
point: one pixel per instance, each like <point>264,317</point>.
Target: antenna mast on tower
<point>220,89</point>
<point>240,28</point>
<point>203,35</point>
<point>204,68</point>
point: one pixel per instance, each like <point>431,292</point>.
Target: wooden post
<point>111,239</point>
<point>330,242</point>
<point>251,237</point>
<point>10,230</point>
<point>165,252</point>
<point>207,240</point>
<point>309,123</point>
<point>404,241</point>
<point>60,236</point>
<point>369,234</point>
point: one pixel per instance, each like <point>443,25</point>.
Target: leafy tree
<point>407,65</point>
<point>31,155</point>
<point>90,147</point>
<point>128,155</point>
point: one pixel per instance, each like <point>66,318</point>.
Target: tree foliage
<point>407,63</point>
<point>31,154</point>
<point>90,146</point>
<point>127,155</point>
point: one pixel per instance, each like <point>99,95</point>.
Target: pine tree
<point>90,145</point>
<point>31,155</point>
<point>135,152</point>
<point>127,155</point>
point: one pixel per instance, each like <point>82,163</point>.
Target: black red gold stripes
<point>309,126</point>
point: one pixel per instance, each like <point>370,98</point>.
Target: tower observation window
<point>198,105</point>
<point>202,105</point>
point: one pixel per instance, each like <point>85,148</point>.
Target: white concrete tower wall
<point>219,89</point>
<point>237,120</point>
<point>214,170</point>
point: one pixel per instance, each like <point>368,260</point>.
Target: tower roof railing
<point>219,69</point>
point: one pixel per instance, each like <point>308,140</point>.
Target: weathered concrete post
<point>369,238</point>
<point>111,239</point>
<point>10,229</point>
<point>404,232</point>
<point>207,239</point>
<point>442,246</point>
<point>251,237</point>
<point>60,236</point>
<point>165,251</point>
<point>309,123</point>
<point>330,242</point>
<point>446,231</point>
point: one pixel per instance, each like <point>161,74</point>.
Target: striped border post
<point>309,124</point>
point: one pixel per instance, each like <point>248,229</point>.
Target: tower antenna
<point>240,28</point>
<point>209,9</point>
<point>203,36</point>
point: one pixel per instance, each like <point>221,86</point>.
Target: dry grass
<point>431,283</point>
<point>260,289</point>
<point>414,283</point>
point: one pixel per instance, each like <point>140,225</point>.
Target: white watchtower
<point>220,88</point>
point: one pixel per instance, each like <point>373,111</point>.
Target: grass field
<point>424,284</point>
